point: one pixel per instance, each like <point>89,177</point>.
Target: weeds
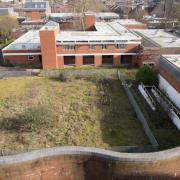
<point>67,107</point>
<point>33,119</point>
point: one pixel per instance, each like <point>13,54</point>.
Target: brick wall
<point>35,15</point>
<point>89,21</point>
<point>149,55</point>
<point>84,49</point>
<point>48,47</point>
<point>21,60</point>
<point>136,26</point>
<point>93,165</point>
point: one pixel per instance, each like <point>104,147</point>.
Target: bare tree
<point>176,12</point>
<point>82,6</point>
<point>8,23</point>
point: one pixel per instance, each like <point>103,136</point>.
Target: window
<point>121,46</point>
<point>69,47</point>
<point>91,46</point>
<point>42,5</point>
<point>104,46</point>
<point>30,58</point>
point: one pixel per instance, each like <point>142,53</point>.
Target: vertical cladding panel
<point>48,48</point>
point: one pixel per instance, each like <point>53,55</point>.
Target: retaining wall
<point>139,114</point>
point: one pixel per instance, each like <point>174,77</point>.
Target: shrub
<point>147,75</point>
<point>62,77</point>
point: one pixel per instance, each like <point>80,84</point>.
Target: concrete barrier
<point>18,73</point>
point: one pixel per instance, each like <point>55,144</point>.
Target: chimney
<point>89,21</point>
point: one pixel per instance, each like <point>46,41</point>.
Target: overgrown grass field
<point>67,107</point>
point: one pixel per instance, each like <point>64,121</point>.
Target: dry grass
<point>38,112</point>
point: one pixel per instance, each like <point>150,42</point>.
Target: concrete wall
<point>79,163</point>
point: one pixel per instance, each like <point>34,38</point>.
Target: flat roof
<point>105,31</point>
<point>173,59</point>
<point>28,41</point>
<point>160,37</point>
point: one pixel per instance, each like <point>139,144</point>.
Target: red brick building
<point>156,42</point>
<point>104,42</point>
<point>108,43</point>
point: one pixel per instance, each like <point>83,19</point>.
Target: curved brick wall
<point>90,163</point>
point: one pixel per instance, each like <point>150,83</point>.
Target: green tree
<point>147,75</point>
